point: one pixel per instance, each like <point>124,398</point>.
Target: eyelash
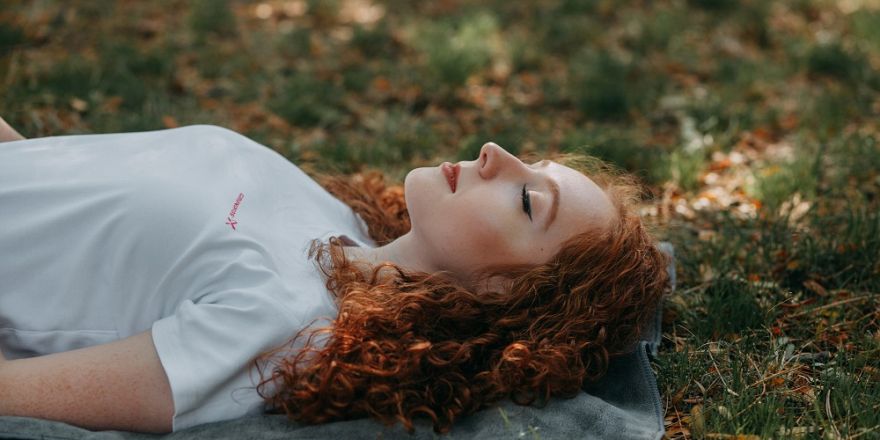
<point>527,202</point>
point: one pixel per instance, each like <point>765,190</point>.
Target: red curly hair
<point>422,344</point>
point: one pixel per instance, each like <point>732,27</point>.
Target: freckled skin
<point>483,222</point>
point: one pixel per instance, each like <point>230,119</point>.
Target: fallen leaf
<point>79,105</point>
<point>382,84</point>
<point>111,104</point>
<point>872,372</point>
<point>789,122</point>
<point>698,423</point>
<point>169,122</point>
<point>815,287</point>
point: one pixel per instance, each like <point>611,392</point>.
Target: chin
<point>411,183</point>
<point>425,181</point>
<point>413,187</point>
<point>420,189</point>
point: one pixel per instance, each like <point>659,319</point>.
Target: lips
<point>451,171</point>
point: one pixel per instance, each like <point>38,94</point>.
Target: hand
<point>8,133</point>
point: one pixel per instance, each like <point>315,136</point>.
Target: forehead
<point>582,203</point>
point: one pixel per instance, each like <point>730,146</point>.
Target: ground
<point>752,124</point>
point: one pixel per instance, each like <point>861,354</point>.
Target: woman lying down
<point>160,280</point>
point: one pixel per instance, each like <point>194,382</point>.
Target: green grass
<point>212,17</point>
<point>456,48</point>
<point>309,100</point>
<point>754,125</point>
<point>11,36</point>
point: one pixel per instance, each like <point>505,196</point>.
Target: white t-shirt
<point>198,234</point>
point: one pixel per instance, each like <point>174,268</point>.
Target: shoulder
<point>191,136</point>
<point>205,129</point>
<point>219,143</point>
<point>210,132</point>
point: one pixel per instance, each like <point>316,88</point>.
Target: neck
<point>403,252</point>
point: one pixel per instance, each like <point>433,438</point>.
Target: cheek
<point>482,233</point>
<point>462,231</point>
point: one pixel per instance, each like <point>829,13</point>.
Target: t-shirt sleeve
<point>207,345</point>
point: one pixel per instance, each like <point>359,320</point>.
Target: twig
<point>504,416</point>
<point>804,357</point>
<point>834,304</point>
<point>828,410</point>
<point>764,379</point>
<point>679,418</point>
<point>718,370</point>
<point>760,374</point>
<point>693,288</point>
<point>851,322</point>
<point>872,429</point>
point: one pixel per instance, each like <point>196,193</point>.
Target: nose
<point>494,160</point>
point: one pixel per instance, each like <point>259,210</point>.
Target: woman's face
<point>486,222</point>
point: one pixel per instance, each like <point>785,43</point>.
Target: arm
<point>8,133</point>
<point>120,385</point>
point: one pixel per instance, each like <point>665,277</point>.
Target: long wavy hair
<point>420,344</point>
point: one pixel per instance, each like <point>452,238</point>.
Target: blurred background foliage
<point>752,123</point>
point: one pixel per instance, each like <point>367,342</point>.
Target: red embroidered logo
<point>230,220</point>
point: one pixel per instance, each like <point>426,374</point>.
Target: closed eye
<point>527,202</point>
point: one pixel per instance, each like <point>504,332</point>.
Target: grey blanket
<point>624,405</point>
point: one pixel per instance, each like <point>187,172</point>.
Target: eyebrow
<point>554,207</point>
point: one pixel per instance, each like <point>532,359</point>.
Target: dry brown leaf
<point>382,84</point>
<point>79,105</point>
<point>169,122</point>
<point>815,287</point>
<point>111,104</point>
<point>698,422</point>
